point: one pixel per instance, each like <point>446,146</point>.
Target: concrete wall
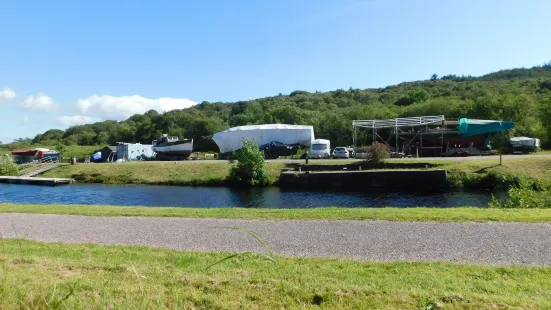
<point>390,179</point>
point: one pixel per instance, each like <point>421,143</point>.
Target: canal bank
<point>461,214</point>
<point>472,174</point>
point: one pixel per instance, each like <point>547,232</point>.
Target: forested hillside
<point>519,95</point>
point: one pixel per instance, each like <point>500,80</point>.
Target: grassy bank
<point>154,172</point>
<point>78,276</point>
<point>465,214</point>
<point>476,174</point>
<point>488,174</point>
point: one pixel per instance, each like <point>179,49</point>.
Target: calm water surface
<point>202,197</point>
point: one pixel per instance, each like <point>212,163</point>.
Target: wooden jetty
<point>35,181</point>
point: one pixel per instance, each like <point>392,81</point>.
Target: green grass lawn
<point>154,172</point>
<point>83,276</point>
<point>463,214</point>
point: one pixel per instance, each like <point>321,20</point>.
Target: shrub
<point>7,167</point>
<point>250,169</point>
<point>378,152</point>
<point>523,196</point>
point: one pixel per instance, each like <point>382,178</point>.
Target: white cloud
<point>25,118</point>
<point>77,120</point>
<point>7,94</point>
<point>39,102</point>
<point>120,108</point>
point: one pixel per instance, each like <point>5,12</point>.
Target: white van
<point>320,148</point>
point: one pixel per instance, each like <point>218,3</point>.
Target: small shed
<point>134,151</point>
<point>108,154</point>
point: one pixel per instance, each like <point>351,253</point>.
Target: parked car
<point>341,152</point>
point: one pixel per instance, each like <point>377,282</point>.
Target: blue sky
<point>72,62</point>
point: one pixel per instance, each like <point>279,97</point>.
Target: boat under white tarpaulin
<point>232,139</point>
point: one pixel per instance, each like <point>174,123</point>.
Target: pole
<point>421,142</point>
<point>354,136</point>
<point>396,128</point>
<point>442,144</point>
<point>501,150</point>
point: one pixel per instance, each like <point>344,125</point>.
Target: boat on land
<point>274,139</point>
<point>172,147</point>
<point>524,144</point>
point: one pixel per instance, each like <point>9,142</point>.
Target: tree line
<point>519,95</point>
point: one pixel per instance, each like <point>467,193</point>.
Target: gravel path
<point>486,243</point>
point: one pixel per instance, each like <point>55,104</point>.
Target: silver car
<point>340,152</point>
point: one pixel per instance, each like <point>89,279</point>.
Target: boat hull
<point>176,150</point>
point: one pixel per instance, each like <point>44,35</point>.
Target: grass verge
<point>84,276</point>
<point>463,214</point>
<point>155,173</point>
<point>471,174</point>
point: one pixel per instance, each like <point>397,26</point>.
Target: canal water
<point>203,197</point>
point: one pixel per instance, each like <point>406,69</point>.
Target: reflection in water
<point>202,197</point>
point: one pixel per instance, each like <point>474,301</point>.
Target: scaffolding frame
<point>397,125</point>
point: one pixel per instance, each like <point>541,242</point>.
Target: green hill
<point>519,95</point>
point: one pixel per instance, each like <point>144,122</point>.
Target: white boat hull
<point>180,150</point>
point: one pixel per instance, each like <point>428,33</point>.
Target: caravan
<point>321,148</point>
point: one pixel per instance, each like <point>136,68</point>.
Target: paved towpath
<point>486,243</point>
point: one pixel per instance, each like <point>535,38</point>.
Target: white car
<point>340,152</point>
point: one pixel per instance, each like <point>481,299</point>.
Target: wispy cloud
<point>39,102</point>
<point>7,94</point>
<point>77,120</point>
<point>119,108</point>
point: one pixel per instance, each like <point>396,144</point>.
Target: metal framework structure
<point>399,122</point>
<point>397,126</point>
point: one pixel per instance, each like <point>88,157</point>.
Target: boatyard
<point>413,137</point>
<point>275,155</point>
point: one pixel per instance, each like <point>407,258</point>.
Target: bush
<point>250,169</point>
<point>378,152</point>
<point>523,196</point>
<point>7,167</point>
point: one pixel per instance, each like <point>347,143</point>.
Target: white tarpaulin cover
<point>525,141</point>
<point>232,139</point>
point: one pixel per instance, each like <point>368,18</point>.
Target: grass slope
<point>537,170</point>
<point>84,276</point>
<point>465,214</point>
<point>477,174</point>
<point>154,172</point>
